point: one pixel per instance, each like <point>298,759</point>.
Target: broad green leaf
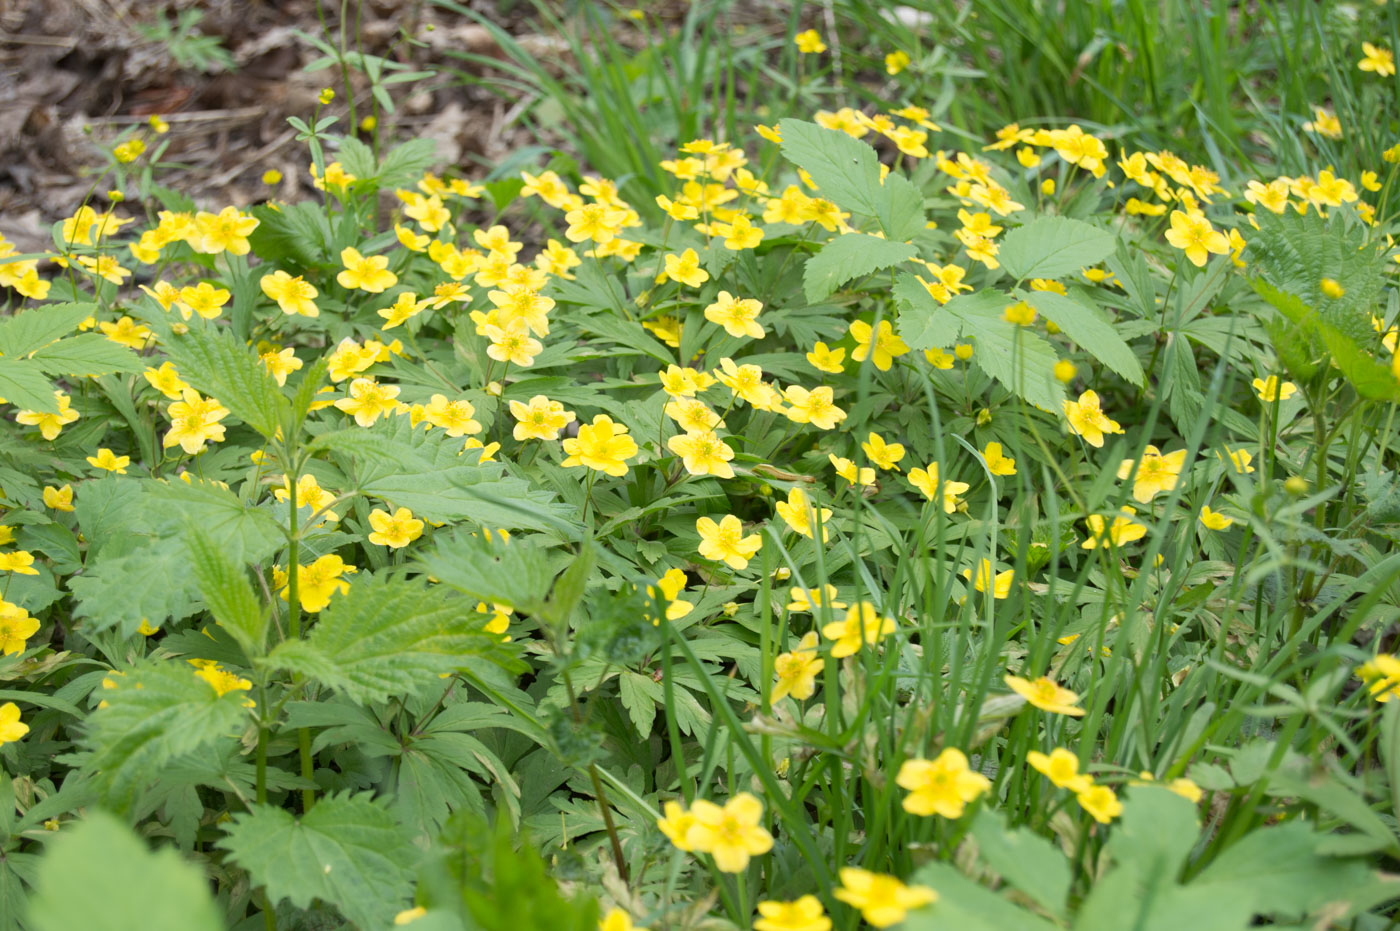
<point>847,173</point>
<point>213,361</point>
<point>1278,871</point>
<point>1014,355</point>
<point>158,710</point>
<point>850,256</point>
<point>963,905</point>
<point>407,161</point>
<point>1087,327</point>
<point>25,385</point>
<point>31,329</point>
<point>150,583</point>
<point>245,534</point>
<point>1051,247</point>
<point>1024,859</point>
<point>99,874</point>
<point>514,573</point>
<point>347,851</point>
<point>1371,378</point>
<point>89,354</point>
<point>926,324</point>
<point>640,695</point>
<point>223,583</point>
<point>109,511</point>
<point>388,638</point>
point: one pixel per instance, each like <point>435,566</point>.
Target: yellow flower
<point>997,462</point>
<point>847,469</point>
<point>602,445</point>
<point>1331,288</point>
<point>884,455</point>
<point>617,920</point>
<point>826,359</point>
<point>540,419</point>
<point>926,480</point>
<point>317,582</point>
<point>293,295</point>
<point>882,900</point>
<point>1239,458</point>
<point>797,513</point>
<point>685,269</point>
<point>1000,582</point>
<point>109,461</point>
<point>227,230</point>
<point>809,600</point>
<point>368,400</point>
<point>59,499</point>
<point>127,332</point>
<point>598,222</point>
<point>816,407</point>
<point>725,541</point>
<point>881,343</point>
<point>804,914</point>
<point>738,316</point>
<point>1122,531</point>
<point>281,363</point>
<point>1196,237</point>
<point>809,42</point>
<point>20,562</point>
<point>1044,694</point>
<point>1324,123</point>
<point>1378,59</point>
<point>203,299</point>
<point>896,61</point>
<point>1382,677</point>
<point>194,421</point>
<point>1086,418</point>
<point>11,728</point>
<point>396,530</point>
<point>1100,802</point>
<point>1270,389</point>
<point>16,626</point>
<point>1214,520</point>
<point>703,453</point>
<point>1154,473</point>
<point>365,273</point>
<point>862,624</point>
<point>676,824</point>
<point>731,834</point>
<point>1061,767</point>
<point>220,679</point>
<point>942,786</point>
<point>796,671</point>
<point>513,344</point>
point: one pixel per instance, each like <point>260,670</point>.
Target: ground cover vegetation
<point>855,503</point>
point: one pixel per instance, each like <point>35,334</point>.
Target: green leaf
<point>640,695</point>
<point>159,710</point>
<point>347,851</point>
<point>1369,377</point>
<point>24,385</point>
<point>847,173</point>
<point>514,573</point>
<point>151,583</point>
<point>850,256</point>
<point>109,512</point>
<point>1014,355</point>
<point>213,361</point>
<point>27,331</point>
<point>223,583</point>
<point>90,354</point>
<point>1051,247</point>
<point>1024,859</point>
<point>387,638</point>
<point>1089,329</point>
<point>926,324</point>
<point>99,874</point>
<point>963,905</point>
<point>407,161</point>
<point>246,534</point>
<point>1278,871</point>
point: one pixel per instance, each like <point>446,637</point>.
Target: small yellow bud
<point>115,196</point>
<point>731,608</point>
<point>1052,327</point>
<point>1332,288</point>
<point>963,351</point>
<point>326,95</point>
<point>984,417</point>
<point>1065,371</point>
<point>1021,314</point>
<point>494,389</point>
<point>1047,187</point>
<point>782,573</point>
<point>1296,485</point>
<point>272,176</point>
<point>368,123</point>
<point>158,125</point>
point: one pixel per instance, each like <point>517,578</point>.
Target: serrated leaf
<point>640,696</point>
<point>1014,355</point>
<point>850,256</point>
<point>89,354</point>
<point>515,573</point>
<point>847,173</point>
<point>99,874</point>
<point>926,324</point>
<point>246,534</point>
<point>24,385</point>
<point>159,710</point>
<point>1025,860</point>
<point>1369,377</point>
<point>211,360</point>
<point>151,583</point>
<point>347,851</point>
<point>388,638</point>
<point>407,161</point>
<point>1051,247</point>
<point>31,329</point>
<point>223,583</point>
<point>1086,327</point>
